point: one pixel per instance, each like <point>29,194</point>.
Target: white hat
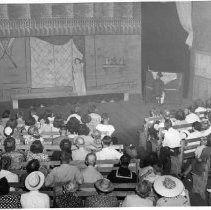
<point>168,186</point>
<point>34,181</point>
<point>8,131</point>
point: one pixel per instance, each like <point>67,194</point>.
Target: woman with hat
<point>103,187</point>
<point>141,198</point>
<point>34,199</point>
<point>172,192</point>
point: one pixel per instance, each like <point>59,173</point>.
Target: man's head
<point>91,159</point>
<point>197,126</point>
<point>107,141</point>
<point>79,142</point>
<point>65,145</point>
<point>6,114</point>
<point>86,118</point>
<point>168,124</point>
<point>124,161</point>
<point>9,144</point>
<point>192,108</point>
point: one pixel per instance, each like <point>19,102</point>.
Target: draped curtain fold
<point>184,10</point>
<point>79,41</point>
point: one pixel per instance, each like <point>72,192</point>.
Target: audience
<point>63,135</point>
<point>90,173</point>
<point>123,174</point>
<point>7,200</point>
<point>192,117</point>
<point>17,157</point>
<point>37,152</point>
<point>91,135</point>
<point>35,199</point>
<point>141,198</point>
<point>103,187</point>
<point>81,152</point>
<point>65,146</point>
<point>104,127</point>
<point>107,152</point>
<point>65,174</point>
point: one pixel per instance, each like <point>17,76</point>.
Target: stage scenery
<point>105,104</point>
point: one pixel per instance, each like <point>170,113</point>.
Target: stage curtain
<point>79,41</point>
<point>184,9</point>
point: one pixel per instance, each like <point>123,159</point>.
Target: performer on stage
<point>78,77</point>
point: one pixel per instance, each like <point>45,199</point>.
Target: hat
<point>168,186</point>
<point>79,141</point>
<point>104,185</point>
<point>34,181</point>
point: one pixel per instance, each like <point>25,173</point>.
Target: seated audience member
<point>170,146</point>
<point>96,135</point>
<point>44,124</point>
<point>104,127</point>
<point>123,174</point>
<point>192,117</point>
<point>5,163</point>
<point>33,113</point>
<point>72,126</point>
<point>63,135</point>
<point>29,121</point>
<point>58,121</point>
<point>103,187</point>
<point>81,152</point>
<point>172,191</point>
<point>32,165</point>
<point>150,170</point>
<point>35,199</point>
<point>75,113</point>
<point>84,132</point>
<point>20,120</point>
<point>17,157</point>
<point>33,134</point>
<point>95,117</point>
<point>37,152</point>
<point>65,146</point>
<point>86,119</point>
<point>107,152</point>
<point>7,200</point>
<point>141,198</point>
<point>90,173</point>
<point>200,167</point>
<point>180,117</point>
<point>65,176</point>
<point>196,127</point>
<point>5,117</point>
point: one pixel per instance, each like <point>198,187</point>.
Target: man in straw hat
<point>172,191</point>
<point>34,199</point>
<point>103,187</point>
<point>141,198</point>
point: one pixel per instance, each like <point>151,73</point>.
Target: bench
<point>103,166</point>
<point>51,148</point>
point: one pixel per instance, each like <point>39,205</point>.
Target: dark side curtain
<point>79,41</point>
<point>163,41</point>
